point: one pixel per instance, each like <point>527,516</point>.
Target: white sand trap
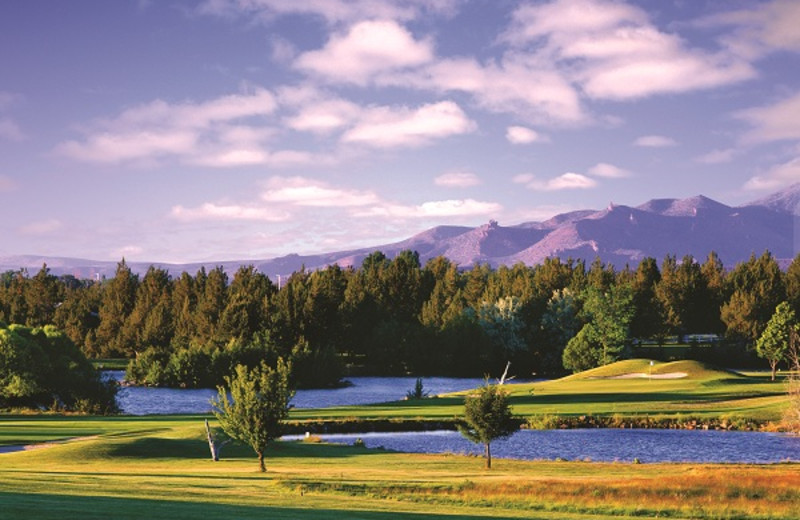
<point>642,375</point>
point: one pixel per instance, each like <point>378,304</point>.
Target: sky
<point>183,131</point>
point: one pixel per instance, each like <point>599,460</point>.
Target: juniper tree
<point>488,416</point>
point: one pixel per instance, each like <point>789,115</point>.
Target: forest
<point>396,316</point>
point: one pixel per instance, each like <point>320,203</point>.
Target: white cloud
<point>566,181</point>
<point>523,135</point>
<point>441,208</point>
<point>41,227</point>
<point>525,85</point>
<point>10,131</point>
<point>655,141</point>
<point>389,127</point>
<point>777,177</point>
<point>226,131</point>
<point>368,48</point>
<point>324,116</point>
<point>457,180</point>
<point>613,51</point>
<point>332,11</point>
<point>299,191</point>
<point>212,211</point>
<point>608,171</point>
<point>760,28</point>
<point>717,156</point>
<point>776,122</point>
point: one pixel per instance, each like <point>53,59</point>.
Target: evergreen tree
<point>487,417</point>
<point>119,298</point>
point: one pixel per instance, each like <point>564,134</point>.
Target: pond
<point>137,400</point>
<point>606,445</point>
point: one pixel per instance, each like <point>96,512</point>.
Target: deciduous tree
<point>258,405</point>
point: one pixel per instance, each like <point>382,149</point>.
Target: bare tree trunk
<point>488,456</point>
<point>261,465</point>
<point>211,444</point>
<point>773,366</point>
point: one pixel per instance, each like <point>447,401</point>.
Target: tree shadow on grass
<point>61,507</point>
<point>163,448</point>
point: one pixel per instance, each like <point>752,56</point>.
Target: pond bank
<point>547,422</point>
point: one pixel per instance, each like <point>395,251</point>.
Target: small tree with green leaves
<point>773,344</point>
<point>258,405</point>
<point>488,416</point>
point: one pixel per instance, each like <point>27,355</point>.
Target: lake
<point>606,445</point>
<point>138,400</point>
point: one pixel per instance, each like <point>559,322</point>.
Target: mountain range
<point>617,234</point>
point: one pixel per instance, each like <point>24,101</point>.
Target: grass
<point>705,393</point>
<point>110,363</point>
<point>159,468</point>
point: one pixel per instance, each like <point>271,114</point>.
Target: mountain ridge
<point>618,234</point>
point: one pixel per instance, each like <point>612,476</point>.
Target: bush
<point>42,368</point>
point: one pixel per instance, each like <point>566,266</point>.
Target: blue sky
<point>180,131</point>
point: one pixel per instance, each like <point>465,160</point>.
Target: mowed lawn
<point>703,392</point>
<point>158,466</point>
<point>160,469</point>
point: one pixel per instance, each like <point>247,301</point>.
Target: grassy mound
<point>692,369</point>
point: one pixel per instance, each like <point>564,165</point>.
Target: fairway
<point>159,466</point>
<point>161,469</point>
<point>704,393</point>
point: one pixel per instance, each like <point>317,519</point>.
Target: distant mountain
<point>618,234</point>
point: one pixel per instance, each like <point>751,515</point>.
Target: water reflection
<point>364,390</point>
<point>606,445</point>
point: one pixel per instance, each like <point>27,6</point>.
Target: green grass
<point>705,393</point>
<point>110,363</point>
<point>159,468</point>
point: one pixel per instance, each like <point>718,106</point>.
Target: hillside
<point>618,234</point>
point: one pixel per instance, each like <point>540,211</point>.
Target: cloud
<point>441,208</point>
<point>332,11</point>
<point>10,131</point>
<point>386,127</point>
<point>368,48</point>
<point>226,131</point>
<point>613,51</point>
<point>41,227</point>
<point>608,171</point>
<point>457,180</point>
<point>323,116</point>
<point>775,122</point>
<point>717,156</point>
<point>655,141</point>
<point>222,212</point>
<point>777,177</point>
<point>523,135</point>
<point>566,181</point>
<point>524,85</point>
<point>299,191</point>
<point>768,27</point>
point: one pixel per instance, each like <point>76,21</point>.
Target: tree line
<point>396,316</point>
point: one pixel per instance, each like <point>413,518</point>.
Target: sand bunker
<point>642,375</point>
